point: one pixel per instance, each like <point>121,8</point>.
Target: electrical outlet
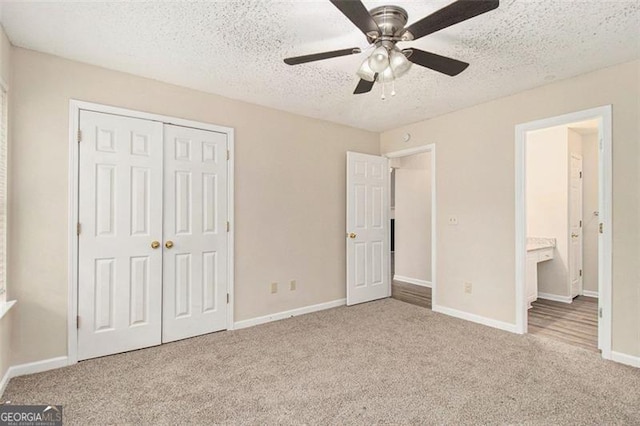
<point>453,220</point>
<point>292,285</point>
<point>274,288</point>
<point>468,287</point>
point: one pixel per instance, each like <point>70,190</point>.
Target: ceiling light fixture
<point>385,64</point>
<point>365,72</point>
<point>379,59</point>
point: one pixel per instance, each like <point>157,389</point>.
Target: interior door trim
<point>430,148</point>
<point>605,239</point>
<point>75,106</point>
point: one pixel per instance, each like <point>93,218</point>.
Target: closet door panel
<point>119,273</point>
<point>195,228</point>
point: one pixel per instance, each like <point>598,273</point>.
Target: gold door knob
<point>155,245</point>
<point>574,235</point>
<point>352,235</point>
<point>168,244</point>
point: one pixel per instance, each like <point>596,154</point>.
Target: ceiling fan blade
<point>319,56</point>
<point>456,12</point>
<point>358,14</point>
<point>364,86</point>
<point>438,63</point>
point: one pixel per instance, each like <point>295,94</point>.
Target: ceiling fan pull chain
<point>393,87</point>
<point>383,97</point>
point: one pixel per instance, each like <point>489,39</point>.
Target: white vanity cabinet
<point>535,256</point>
<point>532,277</point>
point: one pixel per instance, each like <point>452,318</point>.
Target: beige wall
<point>548,203</point>
<point>413,217</point>
<point>289,182</point>
<point>589,206</point>
<point>476,182</point>
<point>5,322</point>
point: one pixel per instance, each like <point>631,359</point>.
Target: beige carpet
<point>382,362</point>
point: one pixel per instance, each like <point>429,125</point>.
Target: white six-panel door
<point>575,224</point>
<point>367,228</point>
<point>195,228</point>
<point>119,273</point>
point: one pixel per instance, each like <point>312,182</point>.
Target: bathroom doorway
<point>412,201</point>
<point>563,237</point>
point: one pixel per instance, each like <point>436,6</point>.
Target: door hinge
<point>227,297</point>
<point>78,322</point>
<point>228,226</point>
<point>600,312</point>
<point>228,155</point>
<point>79,135</point>
<point>580,175</point>
<point>580,224</point>
<point>580,272</point>
<point>78,228</point>
<point>601,228</point>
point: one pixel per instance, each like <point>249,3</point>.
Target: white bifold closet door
<point>195,226</point>
<point>153,250</point>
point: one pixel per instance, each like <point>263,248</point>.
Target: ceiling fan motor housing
<point>390,19</point>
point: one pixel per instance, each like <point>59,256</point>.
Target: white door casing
<point>605,178</point>
<point>119,273</point>
<point>575,224</point>
<point>368,276</point>
<point>195,222</point>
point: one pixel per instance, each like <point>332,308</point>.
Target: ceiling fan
<point>384,26</point>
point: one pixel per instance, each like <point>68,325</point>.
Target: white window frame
<point>4,145</point>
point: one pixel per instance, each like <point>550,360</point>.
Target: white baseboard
<point>410,280</point>
<point>288,314</point>
<point>590,293</point>
<point>31,368</point>
<point>476,318</point>
<point>631,360</point>
<point>555,297</point>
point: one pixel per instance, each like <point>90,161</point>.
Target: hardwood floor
<point>573,323</point>
<point>411,293</point>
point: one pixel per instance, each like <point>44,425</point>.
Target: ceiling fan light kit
<point>398,62</point>
<point>365,72</point>
<point>379,59</point>
<point>384,26</point>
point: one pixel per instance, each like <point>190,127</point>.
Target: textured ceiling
<point>235,49</point>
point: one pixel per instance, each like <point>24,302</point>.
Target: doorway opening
<point>412,217</point>
<point>563,239</point>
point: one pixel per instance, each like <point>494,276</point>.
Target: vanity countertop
<point>539,243</point>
